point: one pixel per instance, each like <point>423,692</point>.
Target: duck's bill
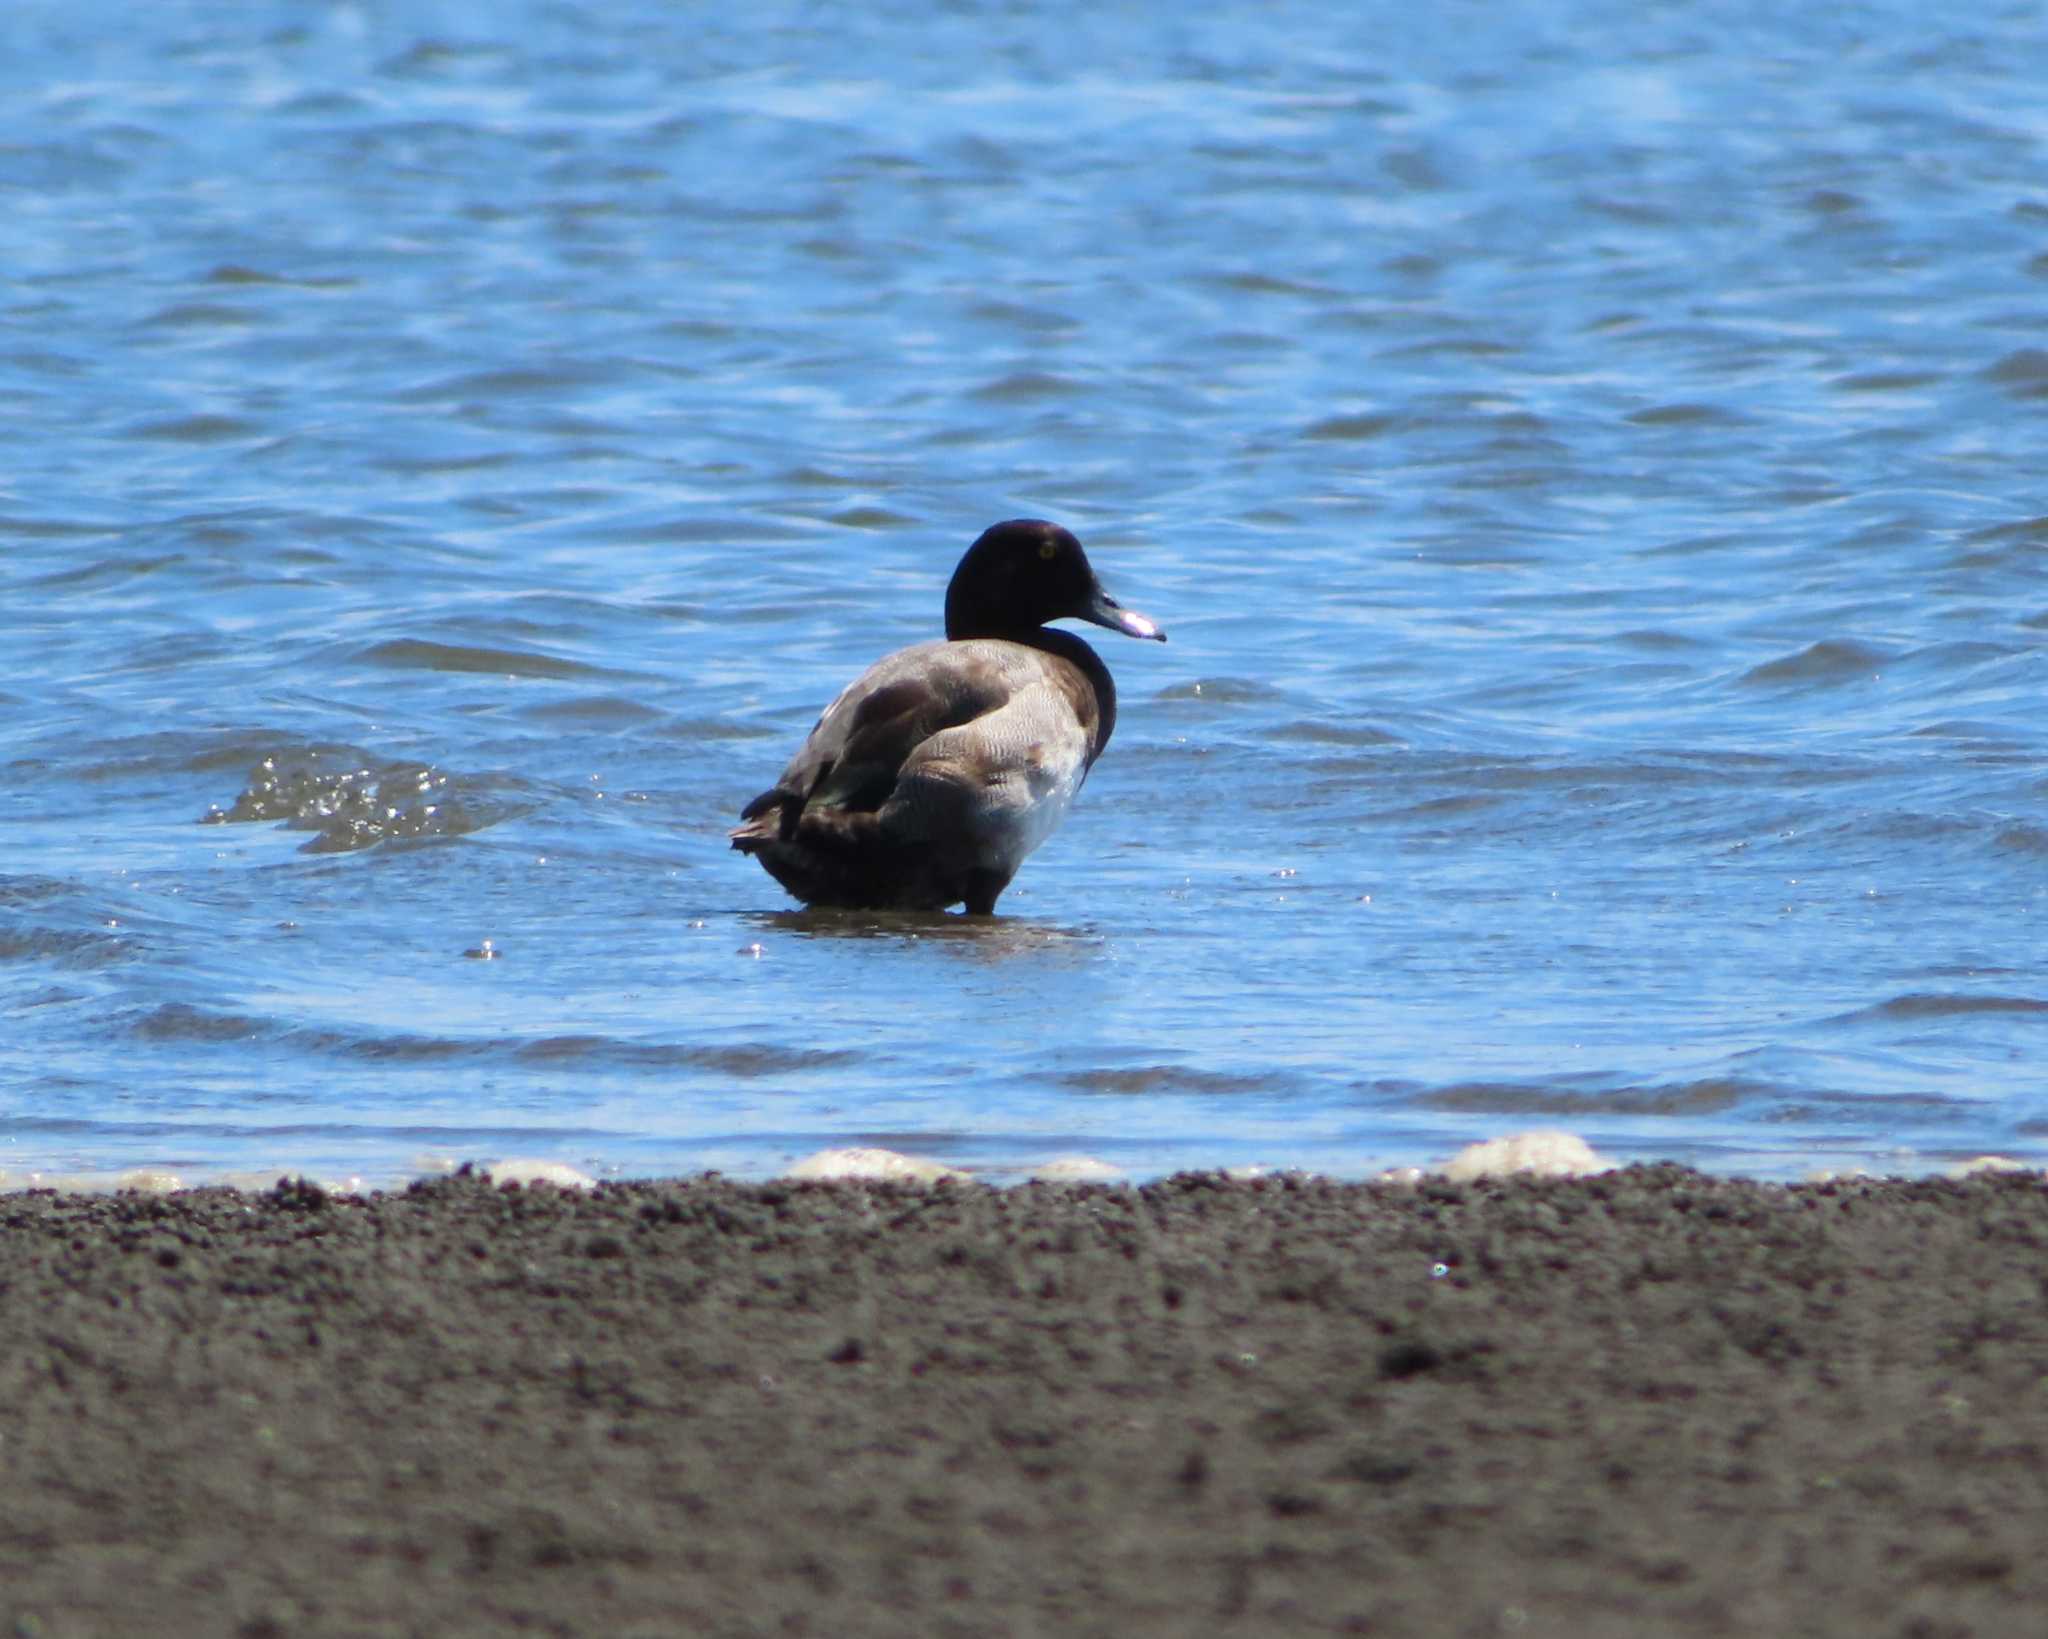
<point>1104,610</point>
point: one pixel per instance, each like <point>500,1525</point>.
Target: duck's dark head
<point>1026,572</point>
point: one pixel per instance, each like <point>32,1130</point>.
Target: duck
<point>935,773</point>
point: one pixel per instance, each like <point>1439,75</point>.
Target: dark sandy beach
<point>1646,1403</point>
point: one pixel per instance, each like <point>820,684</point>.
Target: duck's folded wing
<point>855,755</point>
<point>994,788</point>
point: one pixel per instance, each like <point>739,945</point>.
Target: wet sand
<point>1647,1403</point>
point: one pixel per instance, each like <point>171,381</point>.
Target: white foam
<point>1988,1163</point>
<point>140,1180</point>
<point>875,1165</point>
<point>520,1172</point>
<point>1544,1154</point>
<point>1077,1169</point>
<point>1836,1175</point>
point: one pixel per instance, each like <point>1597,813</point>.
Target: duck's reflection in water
<point>981,938</point>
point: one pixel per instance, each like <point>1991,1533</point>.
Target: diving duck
<point>936,772</point>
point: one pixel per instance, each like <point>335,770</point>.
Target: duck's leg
<point>983,888</point>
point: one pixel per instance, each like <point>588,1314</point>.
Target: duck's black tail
<point>825,855</point>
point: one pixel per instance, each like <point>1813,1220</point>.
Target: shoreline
<point>1538,1152</point>
<point>1646,1401</point>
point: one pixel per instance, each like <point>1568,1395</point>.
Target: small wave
<point>62,947</point>
<point>487,385</point>
<point>692,730</point>
<point>196,429</point>
<point>1350,427</point>
<point>871,517</point>
<point>1436,808</point>
<point>202,316</point>
<point>1221,691</point>
<point>1658,640</point>
<point>180,1022</point>
<point>177,1021</point>
<point>2024,373</point>
<point>1165,1078</point>
<point>2023,839</point>
<point>1921,1004</point>
<point>1829,661</point>
<point>1686,1098</point>
<point>31,890</point>
<point>719,532</point>
<point>1037,321</point>
<point>1311,732</point>
<point>415,654</point>
<point>2022,532</point>
<point>1850,1109</point>
<point>1683,415</point>
<point>234,273</point>
<point>1026,386</point>
<point>393,1049</point>
<point>1885,381</point>
<point>1267,284</point>
<point>746,1059</point>
<point>101,573</point>
<point>603,712</point>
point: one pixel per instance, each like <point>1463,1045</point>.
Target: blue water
<point>1588,460</point>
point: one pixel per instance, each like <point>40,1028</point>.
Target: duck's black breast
<point>1085,682</point>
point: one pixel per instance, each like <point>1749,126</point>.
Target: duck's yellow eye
<point>1049,550</point>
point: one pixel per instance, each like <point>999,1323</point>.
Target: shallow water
<point>1589,468</point>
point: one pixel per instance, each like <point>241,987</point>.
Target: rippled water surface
<point>1588,459</point>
